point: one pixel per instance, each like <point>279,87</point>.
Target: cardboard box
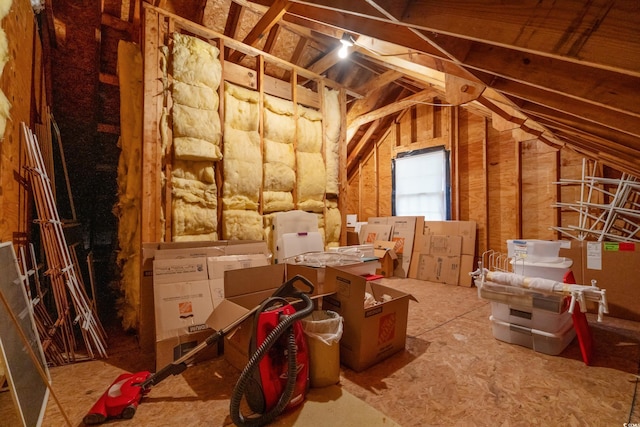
<point>181,308</point>
<point>465,229</point>
<point>439,259</point>
<point>439,269</point>
<point>371,334</point>
<point>316,275</point>
<point>217,266</point>
<point>171,349</point>
<point>388,258</point>
<point>245,289</point>
<point>179,270</point>
<point>369,233</point>
<point>614,267</point>
<point>403,232</point>
<point>163,250</point>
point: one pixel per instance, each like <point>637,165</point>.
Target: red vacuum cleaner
<point>275,378</point>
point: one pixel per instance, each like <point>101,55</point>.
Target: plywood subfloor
<point>453,372</point>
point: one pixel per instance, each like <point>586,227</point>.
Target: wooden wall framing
<point>501,179</point>
<point>158,25</point>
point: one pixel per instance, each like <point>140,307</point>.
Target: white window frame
<point>422,186</point>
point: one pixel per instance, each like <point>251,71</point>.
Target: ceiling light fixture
<point>347,42</point>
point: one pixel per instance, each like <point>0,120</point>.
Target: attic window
<point>421,184</point>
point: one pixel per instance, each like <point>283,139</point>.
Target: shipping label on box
<point>181,308</point>
<point>179,270</point>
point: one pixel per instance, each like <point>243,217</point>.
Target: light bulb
<point>343,52</point>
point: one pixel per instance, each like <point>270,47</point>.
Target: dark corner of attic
<point>242,213</point>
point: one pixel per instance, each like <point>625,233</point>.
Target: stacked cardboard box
<point>181,285</point>
<point>613,265</point>
<point>435,256</point>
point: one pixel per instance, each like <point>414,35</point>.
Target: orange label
<point>387,328</point>
<point>399,247</point>
<point>185,308</point>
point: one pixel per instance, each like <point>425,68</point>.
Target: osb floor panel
<point>453,372</point>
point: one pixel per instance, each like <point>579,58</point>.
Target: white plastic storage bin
<point>529,317</point>
<point>540,341</point>
<point>534,250</point>
<point>547,270</point>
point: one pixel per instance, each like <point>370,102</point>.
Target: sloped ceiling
<point>567,73</point>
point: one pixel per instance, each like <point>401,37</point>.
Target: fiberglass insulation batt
<point>196,73</point>
<point>279,157</point>
<point>242,165</point>
<point>310,162</point>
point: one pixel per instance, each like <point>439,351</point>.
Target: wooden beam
<point>355,154</point>
<point>599,87</point>
<point>603,116</point>
<point>264,25</point>
<point>115,23</point>
<point>601,34</point>
<point>402,104</point>
<point>372,88</point>
<point>461,91</point>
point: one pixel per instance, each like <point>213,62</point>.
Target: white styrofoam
<point>534,318</point>
<point>540,341</point>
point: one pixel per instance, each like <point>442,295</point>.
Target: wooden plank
<point>151,167</point>
<point>601,34</point>
<point>17,84</point>
<point>247,77</point>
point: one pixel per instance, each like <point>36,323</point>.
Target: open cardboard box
<point>180,250</point>
<point>370,334</point>
<point>385,252</point>
<point>246,289</point>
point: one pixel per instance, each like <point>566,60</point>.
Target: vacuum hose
<point>284,326</point>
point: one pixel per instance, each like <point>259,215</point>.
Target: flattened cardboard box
<point>372,334</point>
<point>369,233</point>
<point>403,232</point>
<point>439,259</point>
<point>614,266</point>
